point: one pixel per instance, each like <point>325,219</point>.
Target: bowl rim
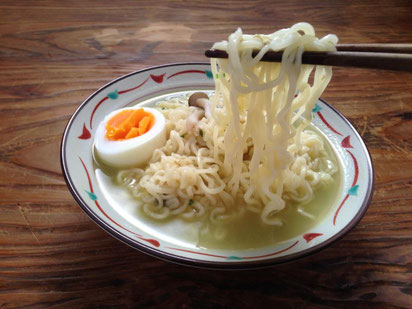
<point>188,261</point>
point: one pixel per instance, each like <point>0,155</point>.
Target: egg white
<point>133,152</point>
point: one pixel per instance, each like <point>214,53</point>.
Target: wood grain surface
<point>53,54</point>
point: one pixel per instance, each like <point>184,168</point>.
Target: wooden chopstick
<point>397,57</point>
<point>376,48</point>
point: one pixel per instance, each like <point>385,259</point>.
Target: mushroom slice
<point>201,101</point>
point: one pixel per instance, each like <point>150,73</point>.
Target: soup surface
<point>246,231</point>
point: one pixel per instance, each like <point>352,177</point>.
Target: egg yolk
<point>128,124</point>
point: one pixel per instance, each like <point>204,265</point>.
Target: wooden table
<point>53,54</point>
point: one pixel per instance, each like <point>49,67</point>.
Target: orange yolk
<point>128,124</point>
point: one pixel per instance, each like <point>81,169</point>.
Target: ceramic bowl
<point>107,206</point>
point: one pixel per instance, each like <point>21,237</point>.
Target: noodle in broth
<point>253,153</point>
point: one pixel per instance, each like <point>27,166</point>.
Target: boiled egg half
<point>127,137</point>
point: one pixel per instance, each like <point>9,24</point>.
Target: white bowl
<point>107,205</point>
